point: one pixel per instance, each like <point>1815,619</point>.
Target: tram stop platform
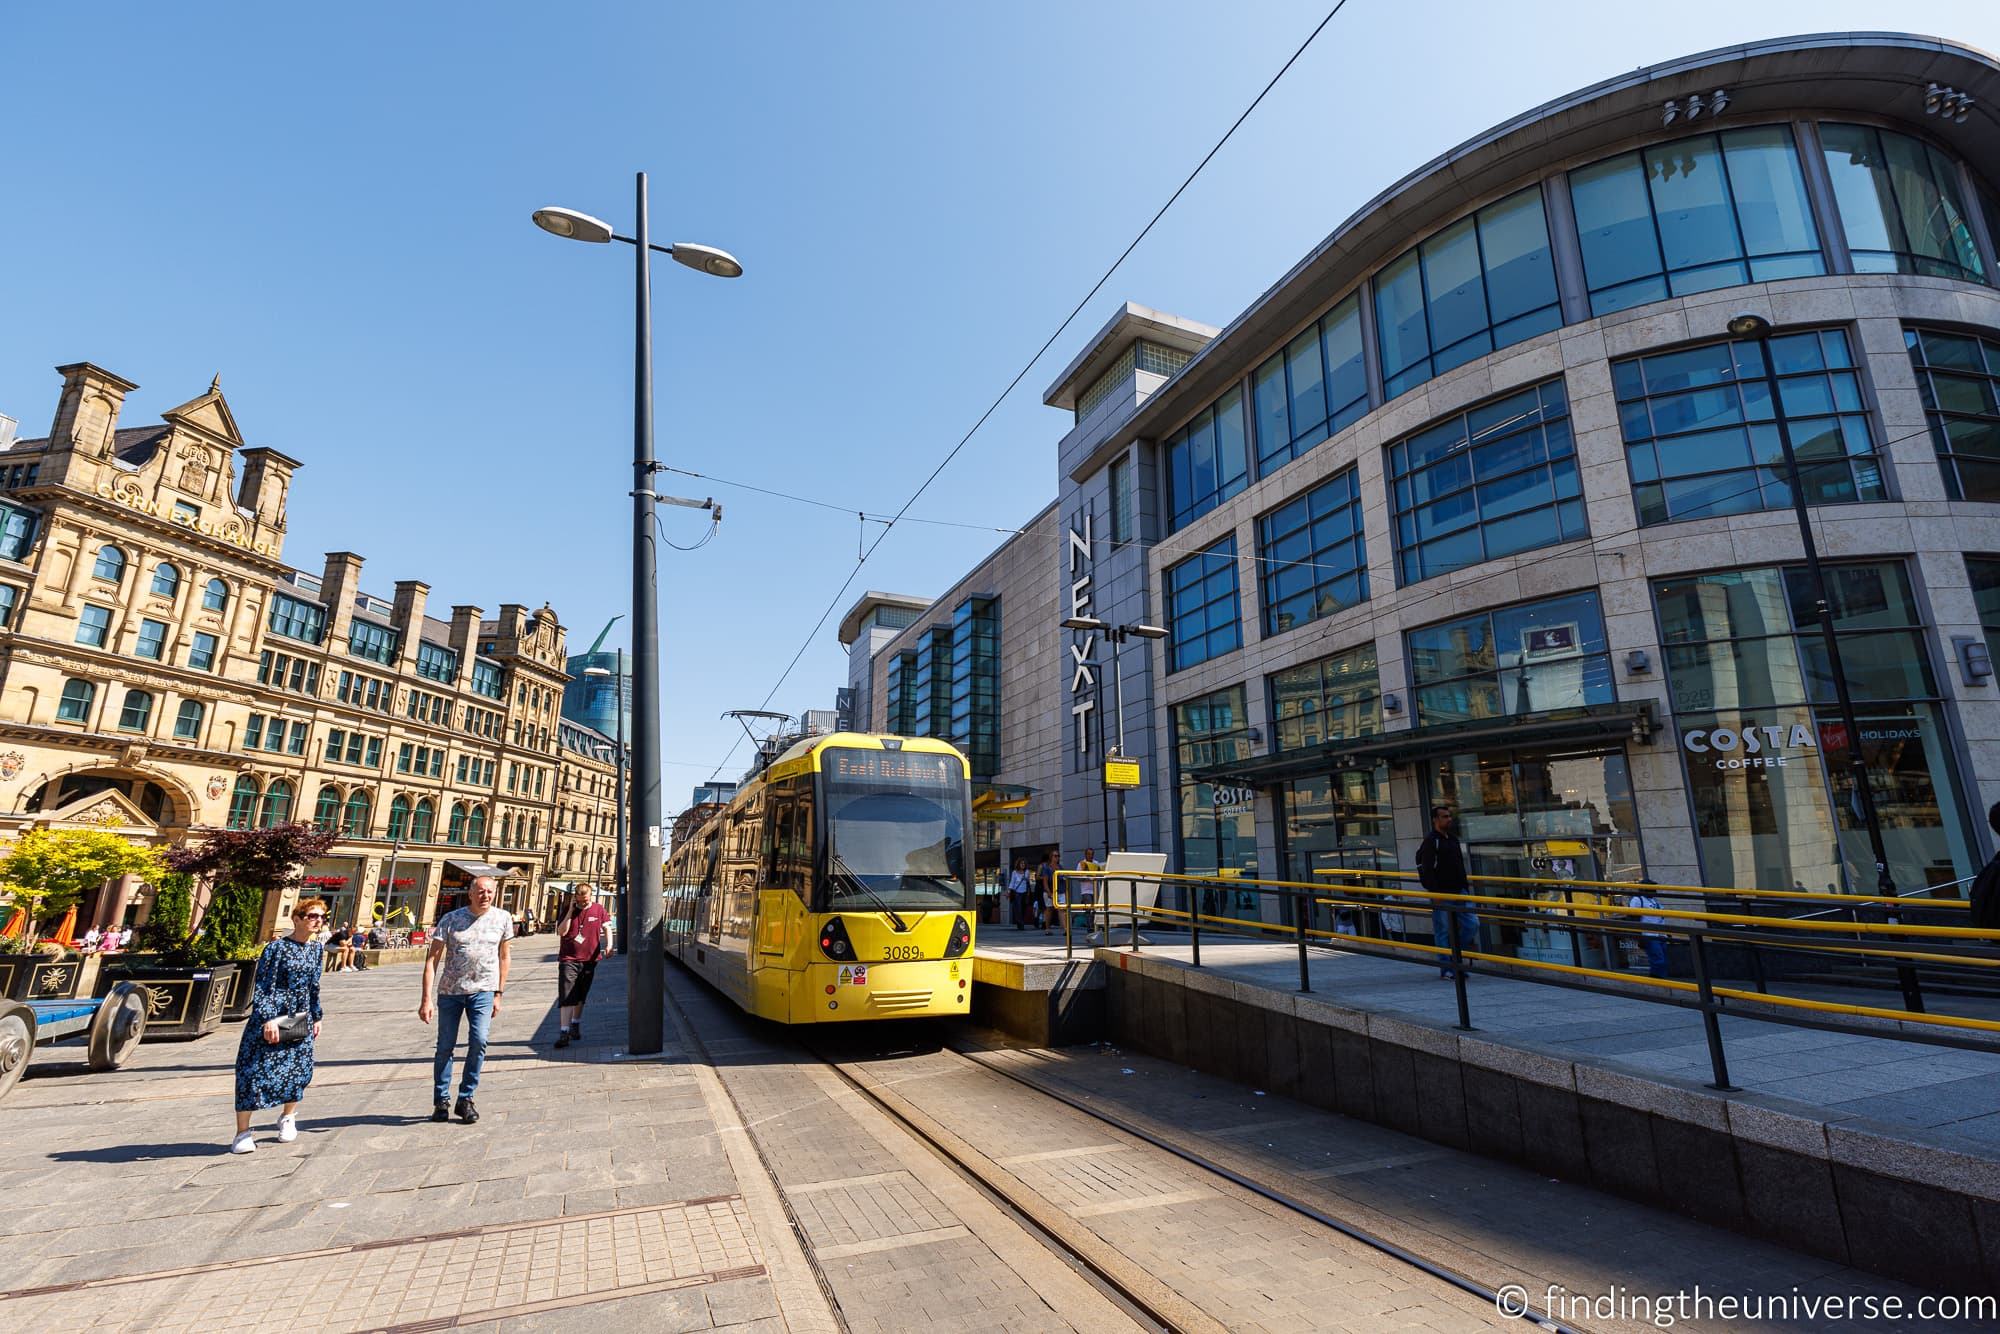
<point>1864,1148</point>
<point>1024,986</point>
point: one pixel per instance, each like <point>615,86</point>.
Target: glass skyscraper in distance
<point>594,700</point>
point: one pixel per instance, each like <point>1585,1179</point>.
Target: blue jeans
<point>479,1008</point>
<point>1468,933</point>
<point>1656,955</point>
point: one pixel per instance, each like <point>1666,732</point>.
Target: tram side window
<point>790,840</point>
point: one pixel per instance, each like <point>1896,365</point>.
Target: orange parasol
<point>66,932</point>
<point>15,924</point>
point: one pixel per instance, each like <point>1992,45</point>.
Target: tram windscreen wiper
<point>841,868</point>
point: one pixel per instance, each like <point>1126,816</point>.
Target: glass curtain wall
<point>1218,821</point>
<point>975,684</point>
<point>1496,480</point>
<point>932,703</point>
<point>1701,431</point>
<point>1984,572</point>
<point>1312,389</point>
<point>1315,562</point>
<point>1482,283</point>
<point>1203,614</point>
<point>1959,378</point>
<point>1765,749</point>
<point>1531,658</point>
<point>900,691</point>
<point>1708,211</point>
<point>1332,699</point>
<point>1900,204</point>
<point>1208,461</point>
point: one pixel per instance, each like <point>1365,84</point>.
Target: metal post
<point>1575,934</point>
<point>395,856</point>
<point>618,853</point>
<point>646,993</point>
<point>1711,1025</point>
<point>1299,920</point>
<point>1117,638</point>
<point>1069,916</point>
<point>1194,922</point>
<point>1885,884</point>
<point>1458,970</point>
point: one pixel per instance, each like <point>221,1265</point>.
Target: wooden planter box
<point>241,990</point>
<point>185,1002</point>
<point>36,977</point>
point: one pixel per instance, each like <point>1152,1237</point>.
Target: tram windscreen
<point>895,823</point>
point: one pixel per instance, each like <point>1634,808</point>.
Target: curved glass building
<point>1486,501</point>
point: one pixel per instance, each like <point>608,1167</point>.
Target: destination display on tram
<point>915,768</point>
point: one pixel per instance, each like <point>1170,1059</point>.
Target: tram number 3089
<point>895,952</point>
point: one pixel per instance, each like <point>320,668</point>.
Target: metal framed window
<point>166,580</point>
<point>1701,433</point>
<point>376,643</point>
<point>1496,480</point>
<point>295,618</point>
<point>17,531</point>
<point>1207,460</point>
<point>187,722</point>
<point>202,650</point>
<point>152,641</point>
<point>1533,657</point>
<point>77,697</point>
<point>1203,612</point>
<point>93,626</point>
<point>1312,389</point>
<point>1312,554</point>
<point>1958,376</point>
<point>1336,698</point>
<point>110,565</point>
<point>1899,204</point>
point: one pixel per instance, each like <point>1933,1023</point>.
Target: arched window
<point>507,830</point>
<point>326,811</point>
<point>166,580</point>
<point>455,831</point>
<point>534,832</point>
<point>137,714</point>
<point>243,802</point>
<point>399,817</point>
<point>277,803</point>
<point>423,822</point>
<point>110,564</point>
<point>77,697</point>
<point>355,823</point>
<point>475,827</point>
<point>187,727</point>
<point>216,596</point>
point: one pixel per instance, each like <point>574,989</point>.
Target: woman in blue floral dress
<point>269,1072</point>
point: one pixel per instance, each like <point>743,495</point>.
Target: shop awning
<point>473,870</point>
<point>1592,723</point>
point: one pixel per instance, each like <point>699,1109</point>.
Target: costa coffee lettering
<point>1751,746</point>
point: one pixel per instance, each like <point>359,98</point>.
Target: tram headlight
<point>961,938</point>
<point>833,941</point>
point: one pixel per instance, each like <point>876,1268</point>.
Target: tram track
<point>1158,1302</point>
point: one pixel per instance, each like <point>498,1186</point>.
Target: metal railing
<point>1696,918</point>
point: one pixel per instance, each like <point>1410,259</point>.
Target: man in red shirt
<point>582,932</point>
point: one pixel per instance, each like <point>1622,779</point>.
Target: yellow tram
<point>837,885</point>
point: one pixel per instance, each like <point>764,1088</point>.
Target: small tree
<point>243,867</point>
<point>166,928</point>
<point>51,869</point>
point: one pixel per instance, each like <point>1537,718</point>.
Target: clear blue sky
<point>329,206</point>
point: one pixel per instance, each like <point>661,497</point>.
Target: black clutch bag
<point>294,1027</point>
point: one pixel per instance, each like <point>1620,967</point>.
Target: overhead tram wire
<point>841,509</point>
<point>1032,361</point>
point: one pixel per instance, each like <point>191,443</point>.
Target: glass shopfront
<point>1218,820</point>
<point>1763,743</point>
<point>1565,814</point>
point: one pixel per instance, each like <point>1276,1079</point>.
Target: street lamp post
<point>1116,635</point>
<point>618,852</point>
<point>646,994</point>
<point>1757,328</point>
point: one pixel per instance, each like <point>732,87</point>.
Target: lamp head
<point>706,259</point>
<point>597,671</point>
<point>1749,326</point>
<point>1083,623</point>
<point>1147,631</point>
<point>575,226</point>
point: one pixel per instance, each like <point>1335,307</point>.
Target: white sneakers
<point>288,1130</point>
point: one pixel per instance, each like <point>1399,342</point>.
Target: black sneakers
<point>562,1038</point>
<point>441,1112</point>
<point>467,1113</point>
<point>576,1031</point>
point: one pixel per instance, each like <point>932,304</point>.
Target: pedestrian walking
<point>1018,886</point>
<point>465,969</point>
<point>581,946</point>
<point>1654,945</point>
<point>1441,869</point>
<point>274,1057</point>
<point>1045,891</point>
<point>1085,887</point>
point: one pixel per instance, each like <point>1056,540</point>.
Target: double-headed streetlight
<point>618,854</point>
<point>646,995</point>
<point>1758,329</point>
<point>1116,635</point>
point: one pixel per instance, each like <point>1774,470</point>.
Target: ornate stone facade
<point>155,645</point>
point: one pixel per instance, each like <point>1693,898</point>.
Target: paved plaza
<point>593,1187</point>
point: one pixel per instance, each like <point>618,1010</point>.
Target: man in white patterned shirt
<point>471,943</point>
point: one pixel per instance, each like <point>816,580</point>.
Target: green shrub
<point>229,928</point>
<point>166,928</point>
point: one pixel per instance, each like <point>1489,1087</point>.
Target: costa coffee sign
<point>1750,746</point>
